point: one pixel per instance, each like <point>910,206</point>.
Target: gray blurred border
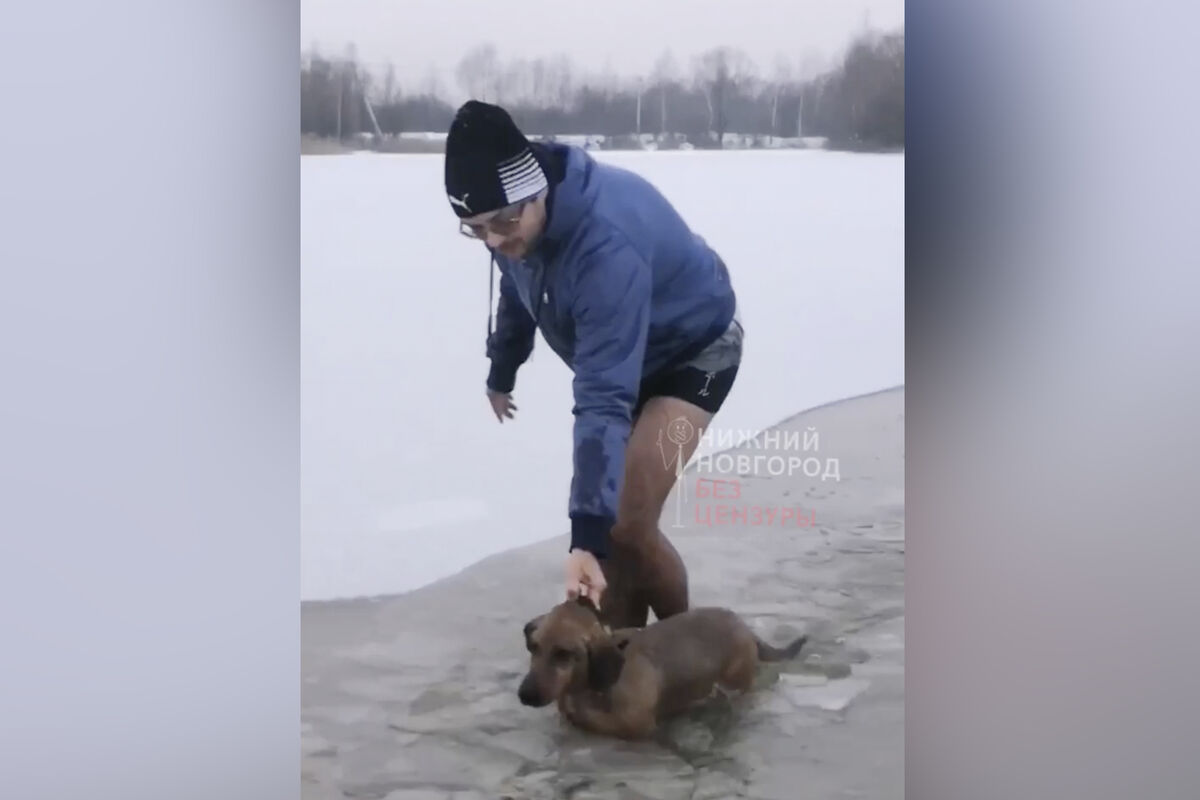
<point>149,433</point>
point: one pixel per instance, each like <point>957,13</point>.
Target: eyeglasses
<point>504,222</point>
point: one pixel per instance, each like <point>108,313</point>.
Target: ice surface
<point>406,475</point>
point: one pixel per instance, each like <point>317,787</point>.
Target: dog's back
<point>621,682</point>
<point>726,623</point>
<point>699,649</point>
<point>709,630</point>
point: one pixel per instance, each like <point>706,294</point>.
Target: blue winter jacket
<point>620,288</point>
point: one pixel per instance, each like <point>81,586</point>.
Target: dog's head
<point>569,649</point>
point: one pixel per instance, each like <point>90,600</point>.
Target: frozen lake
<point>406,475</point>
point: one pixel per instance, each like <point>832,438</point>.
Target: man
<point>639,308</point>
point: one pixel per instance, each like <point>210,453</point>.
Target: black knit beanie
<point>489,163</point>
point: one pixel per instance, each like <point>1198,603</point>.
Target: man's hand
<point>502,405</point>
<point>584,577</point>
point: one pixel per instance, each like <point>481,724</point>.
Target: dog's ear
<point>588,603</point>
<point>622,636</point>
<point>530,627</point>
<point>605,661</point>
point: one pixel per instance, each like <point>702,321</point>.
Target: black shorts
<point>707,390</point>
<point>704,380</point>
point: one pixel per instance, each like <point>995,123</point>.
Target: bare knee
<point>641,501</point>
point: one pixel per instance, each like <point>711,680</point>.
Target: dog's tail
<point>767,652</point>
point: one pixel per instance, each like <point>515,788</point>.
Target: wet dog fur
<point>623,683</point>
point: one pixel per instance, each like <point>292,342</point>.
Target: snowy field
<point>406,475</point>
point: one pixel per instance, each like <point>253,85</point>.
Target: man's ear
<point>605,662</point>
<point>530,627</point>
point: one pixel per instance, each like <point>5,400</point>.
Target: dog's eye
<point>562,655</point>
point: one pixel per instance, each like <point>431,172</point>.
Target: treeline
<point>859,103</point>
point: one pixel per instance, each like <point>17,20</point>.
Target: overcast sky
<point>627,36</point>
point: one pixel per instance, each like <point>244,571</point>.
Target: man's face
<point>512,230</point>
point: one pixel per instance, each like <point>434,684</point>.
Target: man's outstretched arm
<point>612,318</point>
<point>511,343</point>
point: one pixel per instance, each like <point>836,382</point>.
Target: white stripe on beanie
<point>521,177</point>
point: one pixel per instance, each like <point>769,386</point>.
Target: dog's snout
<point>528,693</point>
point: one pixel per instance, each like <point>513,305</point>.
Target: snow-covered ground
<point>406,475</point>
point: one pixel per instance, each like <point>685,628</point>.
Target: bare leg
<point>624,602</point>
<point>667,431</point>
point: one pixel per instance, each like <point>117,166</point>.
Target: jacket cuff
<point>590,532</point>
<point>501,377</point>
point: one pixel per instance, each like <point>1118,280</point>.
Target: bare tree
<point>517,82</point>
<point>719,72</point>
<point>782,78</point>
<point>813,64</point>
<point>854,100</point>
<point>432,86</point>
<point>560,81</point>
<point>538,84</point>
<point>389,85</point>
<point>319,87</point>
<point>477,72</point>
<point>606,80</point>
<point>664,77</point>
<point>350,87</point>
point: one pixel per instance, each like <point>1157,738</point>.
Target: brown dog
<point>623,683</point>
